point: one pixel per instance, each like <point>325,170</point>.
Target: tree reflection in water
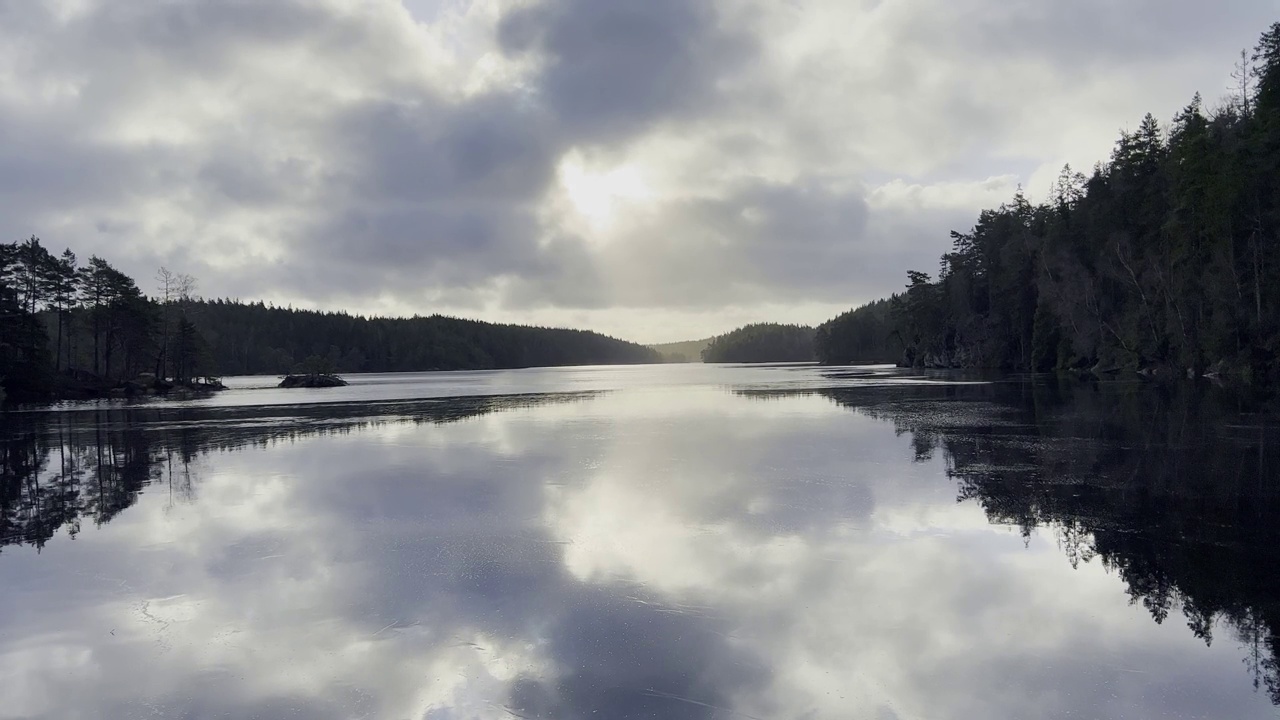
<point>60,469</point>
<point>1172,487</point>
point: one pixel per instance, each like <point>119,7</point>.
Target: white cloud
<point>568,160</point>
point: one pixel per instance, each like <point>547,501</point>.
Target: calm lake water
<point>644,542</point>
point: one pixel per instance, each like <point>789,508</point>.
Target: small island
<point>314,372</point>
<point>312,380</point>
<point>150,384</point>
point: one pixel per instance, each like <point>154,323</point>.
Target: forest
<point>1164,259</point>
<point>761,342</point>
<point>862,336</point>
<point>84,330</point>
<point>67,328</point>
<point>689,351</point>
<point>255,338</point>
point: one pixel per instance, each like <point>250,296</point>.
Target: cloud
<point>609,70</point>
<point>412,158</point>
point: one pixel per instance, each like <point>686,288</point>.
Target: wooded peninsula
<point>69,330</point>
<point>760,343</point>
<point>1164,259</point>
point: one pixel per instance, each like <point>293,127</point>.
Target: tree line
<point>761,342</point>
<point>1163,258</point>
<point>64,325</point>
<point>863,336</point>
<point>69,329</point>
<point>257,338</point>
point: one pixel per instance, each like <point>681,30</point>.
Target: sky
<point>658,170</point>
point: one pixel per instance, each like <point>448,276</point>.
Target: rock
<point>314,380</point>
<point>206,384</point>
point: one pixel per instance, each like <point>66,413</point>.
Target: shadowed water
<point>702,542</point>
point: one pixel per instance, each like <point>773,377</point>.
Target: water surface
<point>649,542</point>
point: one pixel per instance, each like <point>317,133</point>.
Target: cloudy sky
<point>655,169</point>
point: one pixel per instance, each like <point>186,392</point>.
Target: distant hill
<point>71,330</point>
<point>762,342</point>
<point>254,338</point>
<point>689,351</point>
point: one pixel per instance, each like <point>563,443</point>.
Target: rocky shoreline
<point>84,385</point>
<point>1236,371</point>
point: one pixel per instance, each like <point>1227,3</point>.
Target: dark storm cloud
<point>467,244</point>
<point>435,195</point>
<point>242,179</point>
<point>482,152</point>
<point>614,68</point>
<point>40,170</point>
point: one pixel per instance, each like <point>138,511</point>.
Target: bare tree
<point>176,290</point>
<point>1244,77</point>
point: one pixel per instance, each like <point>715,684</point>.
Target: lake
<point>645,542</point>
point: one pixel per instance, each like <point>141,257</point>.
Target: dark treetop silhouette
<point>72,331</point>
<point>1164,258</point>
<point>59,468</point>
<point>763,342</point>
<point>1165,485</point>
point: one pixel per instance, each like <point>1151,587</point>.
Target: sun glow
<point>597,196</point>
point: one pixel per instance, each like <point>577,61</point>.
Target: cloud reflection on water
<point>646,553</point>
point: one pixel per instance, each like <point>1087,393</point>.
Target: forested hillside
<point>1164,257</point>
<point>70,330</point>
<point>865,335</point>
<point>254,338</point>
<point>689,351</point>
<point>762,342</point>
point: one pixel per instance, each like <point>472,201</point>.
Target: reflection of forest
<point>59,468</point>
<point>1172,487</point>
